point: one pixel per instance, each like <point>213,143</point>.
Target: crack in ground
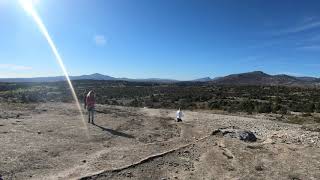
<point>144,160</point>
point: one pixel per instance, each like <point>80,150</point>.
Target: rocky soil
<point>51,141</point>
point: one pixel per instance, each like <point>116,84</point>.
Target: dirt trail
<point>48,141</point>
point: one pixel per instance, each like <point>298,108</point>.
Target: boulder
<point>247,136</point>
<point>243,135</point>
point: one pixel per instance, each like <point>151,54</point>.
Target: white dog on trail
<point>179,115</point>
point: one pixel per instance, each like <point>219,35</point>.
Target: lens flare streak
<point>28,7</point>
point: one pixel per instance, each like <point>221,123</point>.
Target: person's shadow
<point>114,132</point>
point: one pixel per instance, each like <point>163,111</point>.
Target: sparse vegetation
<point>187,95</point>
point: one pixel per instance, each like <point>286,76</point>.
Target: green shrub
<point>247,106</point>
<point>264,108</point>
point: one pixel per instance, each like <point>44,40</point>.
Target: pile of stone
<point>242,135</point>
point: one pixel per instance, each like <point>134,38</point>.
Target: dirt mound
<point>163,130</point>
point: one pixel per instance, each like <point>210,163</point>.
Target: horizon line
<point>173,79</point>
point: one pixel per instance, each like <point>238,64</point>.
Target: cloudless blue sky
<point>178,39</point>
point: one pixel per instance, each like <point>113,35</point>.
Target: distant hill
<point>205,79</point>
<point>249,78</point>
<point>261,78</point>
<point>95,76</point>
<point>159,80</point>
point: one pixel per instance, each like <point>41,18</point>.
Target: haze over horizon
<point>178,39</point>
<point>253,74</point>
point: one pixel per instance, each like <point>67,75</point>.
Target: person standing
<point>179,115</point>
<point>90,105</point>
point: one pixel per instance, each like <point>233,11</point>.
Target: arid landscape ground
<point>50,141</point>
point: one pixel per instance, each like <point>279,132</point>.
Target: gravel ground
<point>50,141</point>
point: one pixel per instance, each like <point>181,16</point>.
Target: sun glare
<point>29,8</point>
<point>28,4</point>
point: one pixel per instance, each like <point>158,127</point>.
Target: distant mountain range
<point>249,78</point>
<point>95,76</point>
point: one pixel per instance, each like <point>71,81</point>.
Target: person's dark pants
<point>179,120</point>
<point>91,115</point>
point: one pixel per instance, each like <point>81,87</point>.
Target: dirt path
<point>48,141</point>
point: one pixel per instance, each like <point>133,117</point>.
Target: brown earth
<point>50,141</point>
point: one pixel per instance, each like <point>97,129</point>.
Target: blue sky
<point>178,39</point>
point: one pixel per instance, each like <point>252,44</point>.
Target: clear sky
<point>178,39</point>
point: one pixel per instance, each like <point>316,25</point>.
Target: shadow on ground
<point>114,132</point>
